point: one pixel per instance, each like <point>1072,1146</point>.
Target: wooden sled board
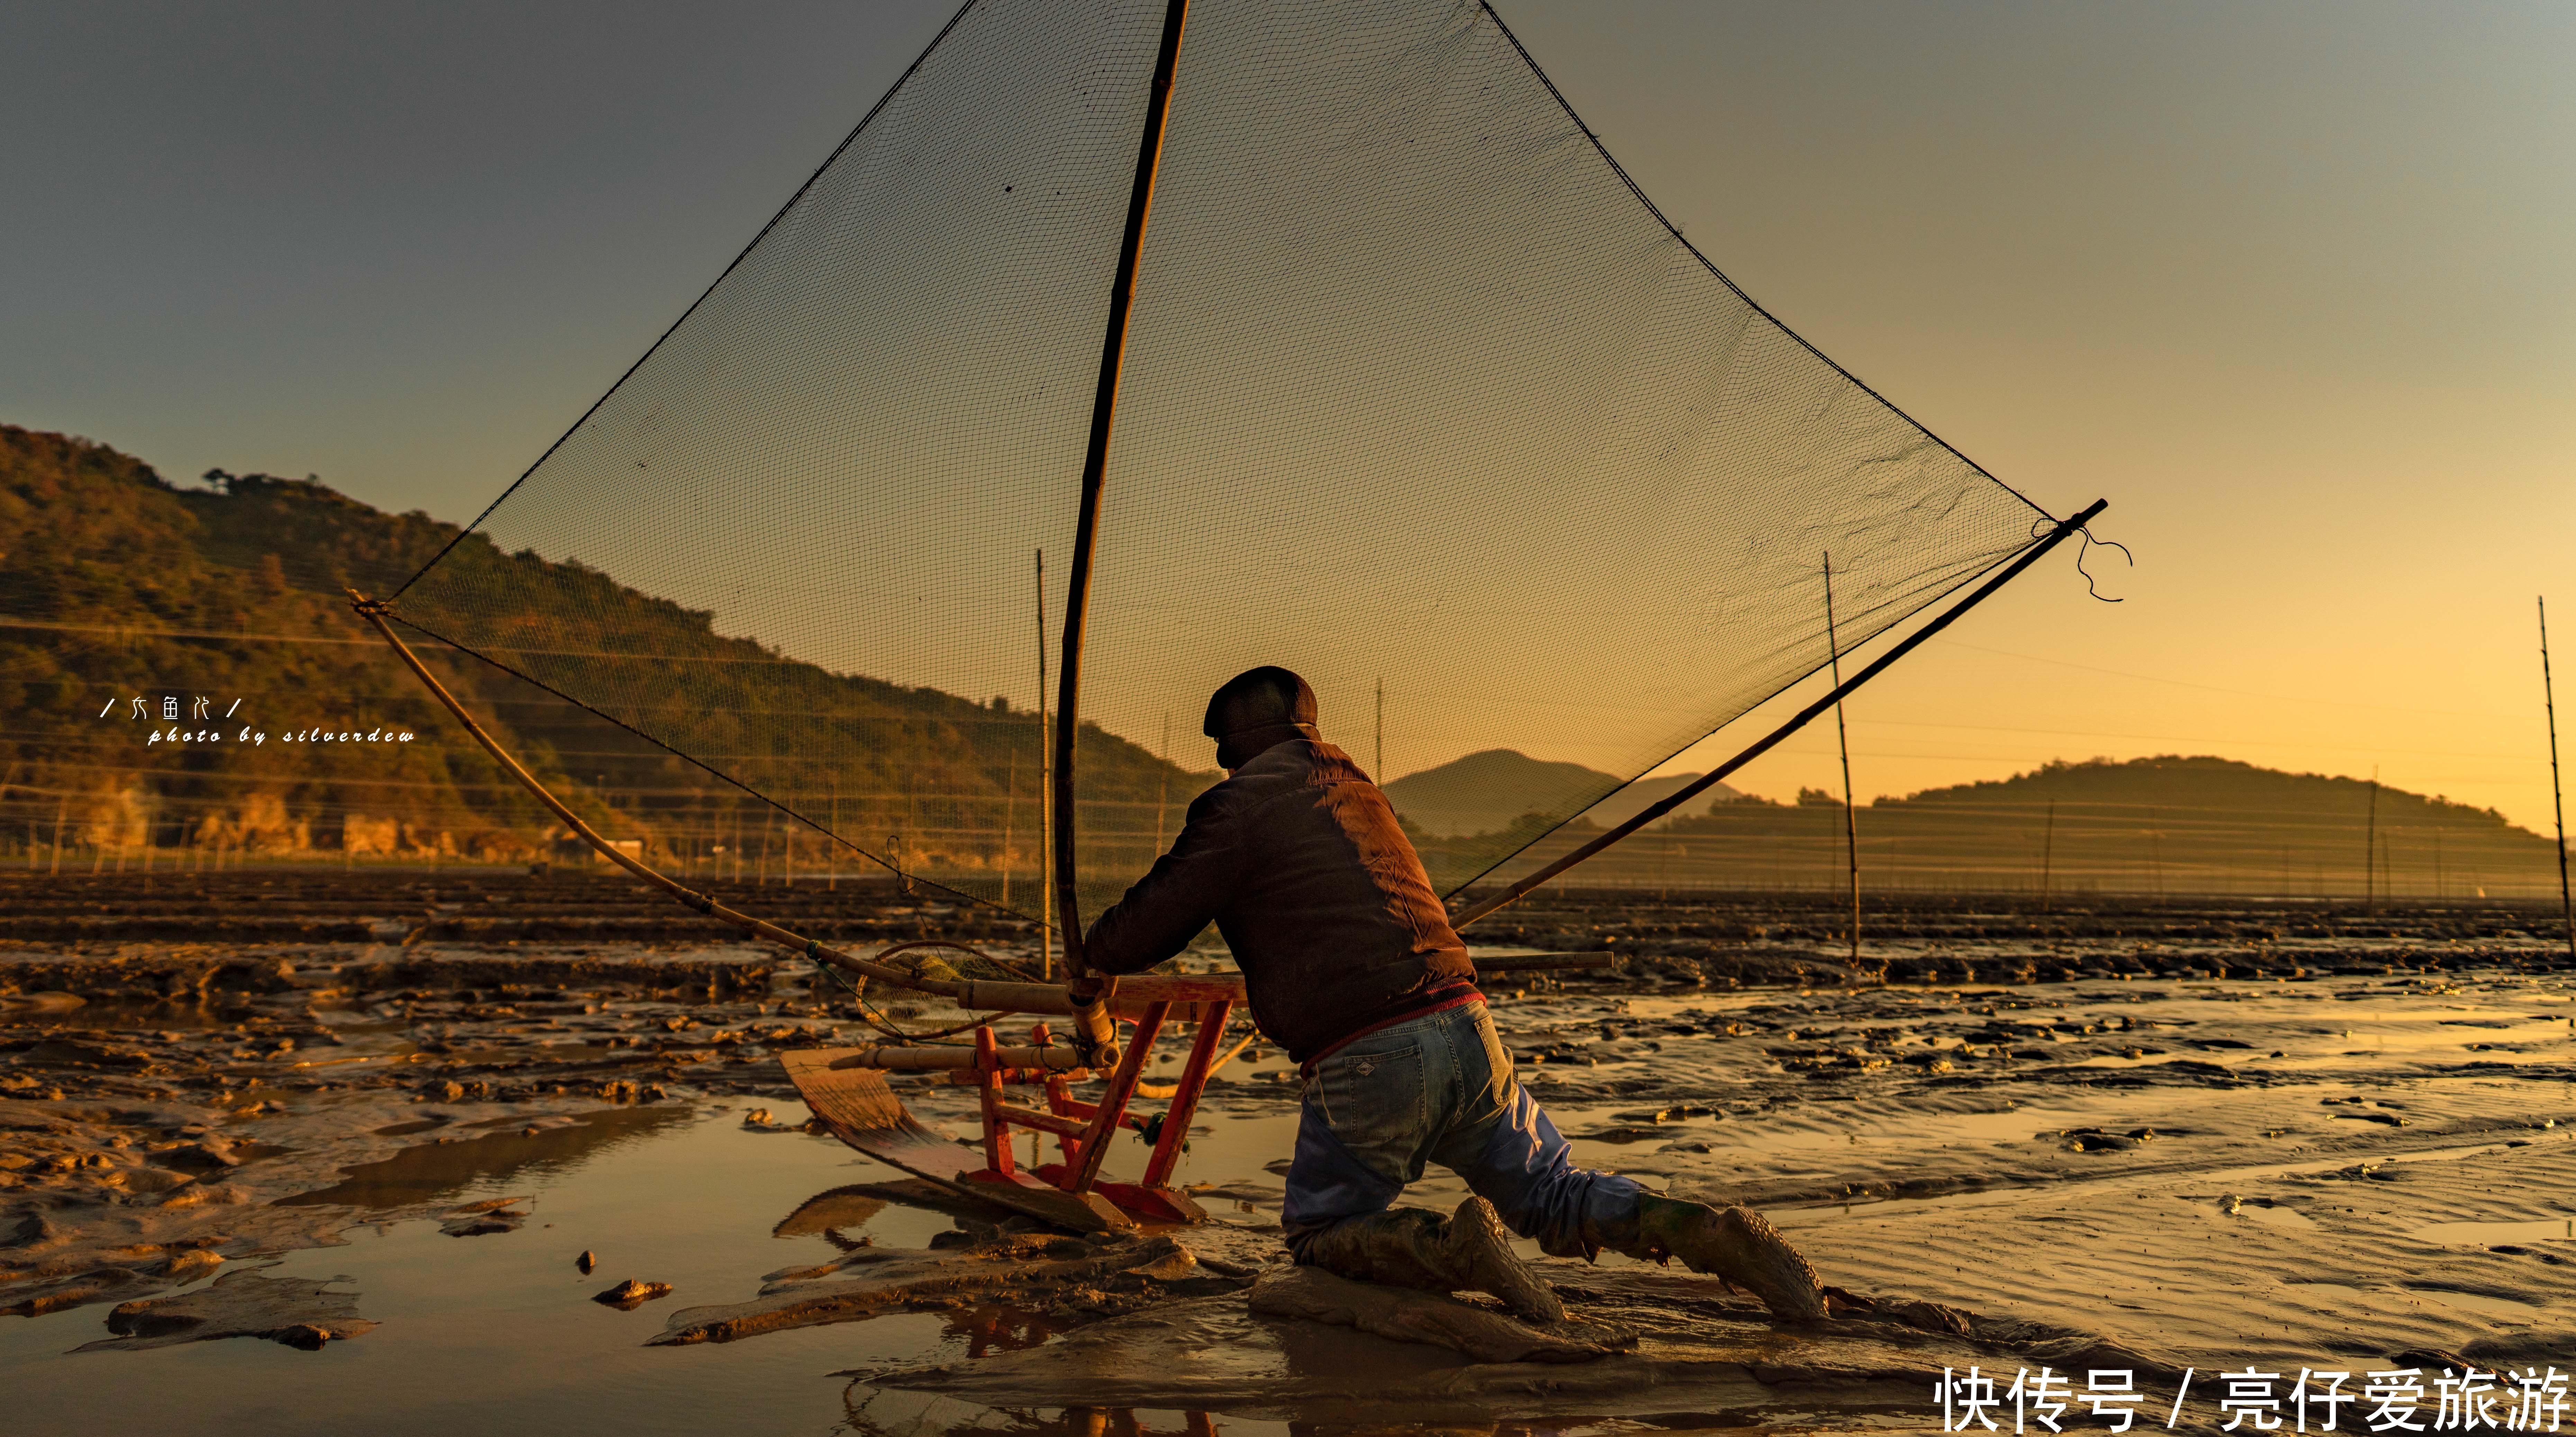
<point>862,1111</point>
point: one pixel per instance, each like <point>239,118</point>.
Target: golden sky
<point>2286,282</point>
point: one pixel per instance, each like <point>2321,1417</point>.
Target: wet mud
<point>2171,1137</point>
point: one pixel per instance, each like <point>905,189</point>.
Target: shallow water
<point>497,1333</point>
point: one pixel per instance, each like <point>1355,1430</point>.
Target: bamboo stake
<point>1010,817</point>
<point>2557,806</point>
<point>1842,735</point>
<point>2370,848</point>
<point>2047,853</point>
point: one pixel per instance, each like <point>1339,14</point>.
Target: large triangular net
<point>1419,394</point>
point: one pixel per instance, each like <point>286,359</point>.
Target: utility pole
<point>1377,764</point>
<point>2370,847</point>
<point>2557,806</point>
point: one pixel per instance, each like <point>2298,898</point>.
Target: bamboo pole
<point>1012,997</point>
<point>924,1060</point>
<point>1046,797</point>
<point>1091,1022</point>
<point>1767,742</point>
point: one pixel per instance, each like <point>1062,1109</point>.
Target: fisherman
<point>1350,964</point>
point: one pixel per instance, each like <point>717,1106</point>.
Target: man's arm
<point>1182,894</point>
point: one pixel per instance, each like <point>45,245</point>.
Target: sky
<point>2286,283</point>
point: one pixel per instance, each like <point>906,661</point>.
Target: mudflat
<point>339,1159</point>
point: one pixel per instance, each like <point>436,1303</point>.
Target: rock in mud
<point>478,1219</point>
<point>239,1304</point>
<point>586,1262</point>
<point>631,1294</point>
<point>1434,1318</point>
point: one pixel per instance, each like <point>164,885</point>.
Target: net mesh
<point>1420,397</point>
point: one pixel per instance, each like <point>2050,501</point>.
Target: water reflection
<point>831,1215</point>
<point>434,1171</point>
<point>876,1413</point>
<point>997,1328</point>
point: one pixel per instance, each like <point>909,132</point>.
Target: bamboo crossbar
<point>1020,1115</point>
<point>920,1059</point>
<point>2029,555</point>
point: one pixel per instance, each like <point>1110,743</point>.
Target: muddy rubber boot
<point>1410,1247</point>
<point>1734,1243</point>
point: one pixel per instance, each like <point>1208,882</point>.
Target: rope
<point>2085,532</point>
<point>874,1019</point>
<point>378,612</point>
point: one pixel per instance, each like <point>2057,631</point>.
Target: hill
<point>2170,825</point>
<point>1461,797</point>
<point>125,598</point>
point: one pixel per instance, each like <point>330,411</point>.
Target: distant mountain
<point>2151,825</point>
<point>1484,793</point>
<point>2181,787</point>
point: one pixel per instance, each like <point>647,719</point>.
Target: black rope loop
<point>2039,530</point>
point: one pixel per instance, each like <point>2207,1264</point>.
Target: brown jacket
<point>1298,860</point>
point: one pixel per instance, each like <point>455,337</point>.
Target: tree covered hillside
<point>124,597</point>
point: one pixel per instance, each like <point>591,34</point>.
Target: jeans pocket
<point>1373,1099</point>
<point>1493,1087</point>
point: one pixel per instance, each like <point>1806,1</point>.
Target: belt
<point>1438,1000</point>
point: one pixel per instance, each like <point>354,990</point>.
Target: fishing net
<point>1420,397</point>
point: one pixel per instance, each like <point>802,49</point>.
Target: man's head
<point>1257,710</point>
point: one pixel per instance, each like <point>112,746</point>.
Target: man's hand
<point>1095,1032</point>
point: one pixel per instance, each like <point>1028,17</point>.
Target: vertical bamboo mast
<point>2557,806</point>
<point>1046,796</point>
<point>1095,466</point>
<point>1842,735</point>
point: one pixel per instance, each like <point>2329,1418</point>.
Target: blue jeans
<point>1439,1088</point>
